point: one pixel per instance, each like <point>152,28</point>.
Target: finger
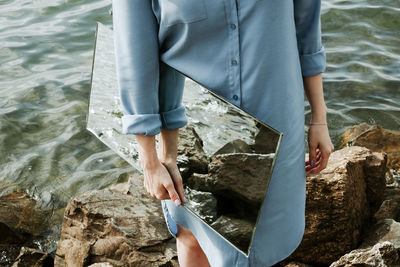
<point>325,156</point>
<point>309,168</point>
<point>145,184</point>
<point>312,154</point>
<point>162,193</point>
<point>177,178</point>
<point>316,165</point>
<point>318,156</point>
<point>323,162</point>
<point>172,193</point>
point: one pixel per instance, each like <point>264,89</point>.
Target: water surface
<point>46,53</point>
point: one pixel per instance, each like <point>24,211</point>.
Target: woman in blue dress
<point>261,55</point>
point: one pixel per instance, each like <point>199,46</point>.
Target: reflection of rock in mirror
<point>225,157</point>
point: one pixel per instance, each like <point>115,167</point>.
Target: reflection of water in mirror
<point>214,121</point>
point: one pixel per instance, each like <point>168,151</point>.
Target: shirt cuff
<point>174,118</point>
<point>312,64</point>
<point>145,124</point>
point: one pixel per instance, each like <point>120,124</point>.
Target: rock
<point>237,231</point>
<point>235,146</point>
<point>242,175</point>
<point>265,141</point>
<point>376,139</point>
<point>22,215</point>
<point>351,133</point>
<point>8,236</point>
<point>393,194</point>
<point>374,175</point>
<point>200,182</point>
<point>29,257</point>
<point>228,181</point>
<point>204,204</point>
<point>8,253</point>
<point>22,220</point>
<point>388,210</point>
<point>191,156</point>
<point>380,255</point>
<point>110,225</point>
<point>384,230</point>
<point>336,204</point>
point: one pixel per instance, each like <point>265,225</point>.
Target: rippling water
<point>45,66</point>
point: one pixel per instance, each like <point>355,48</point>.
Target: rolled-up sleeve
<point>137,65</point>
<point>172,111</point>
<point>307,14</point>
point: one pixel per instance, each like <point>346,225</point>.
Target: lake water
<point>46,50</point>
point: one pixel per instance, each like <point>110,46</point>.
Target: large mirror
<point>225,155</point>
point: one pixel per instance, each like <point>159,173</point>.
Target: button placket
<point>235,56</point>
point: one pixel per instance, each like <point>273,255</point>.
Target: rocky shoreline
<point>352,215</point>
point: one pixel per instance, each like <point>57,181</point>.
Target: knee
<point>187,238</point>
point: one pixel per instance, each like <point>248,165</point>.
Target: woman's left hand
<point>320,148</point>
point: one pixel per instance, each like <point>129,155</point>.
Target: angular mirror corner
<point>225,155</point>
<point>226,158</point>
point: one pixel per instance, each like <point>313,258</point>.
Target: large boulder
<point>121,225</point>
<point>376,139</point>
<point>337,206</point>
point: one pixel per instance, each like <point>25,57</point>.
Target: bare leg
<point>189,251</point>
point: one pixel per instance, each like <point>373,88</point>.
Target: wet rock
<point>376,139</point>
<point>380,255</point>
<point>336,205</point>
<point>204,204</point>
<point>239,175</point>
<point>242,175</point>
<point>8,253</point>
<point>29,257</point>
<point>191,156</point>
<point>22,215</point>
<point>265,141</point>
<point>237,231</point>
<point>119,227</point>
<point>8,236</point>
<point>22,220</point>
<point>200,182</point>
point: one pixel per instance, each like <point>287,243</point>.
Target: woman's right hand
<point>158,183</point>
<point>157,179</point>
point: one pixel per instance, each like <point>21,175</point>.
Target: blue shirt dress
<point>253,53</point>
